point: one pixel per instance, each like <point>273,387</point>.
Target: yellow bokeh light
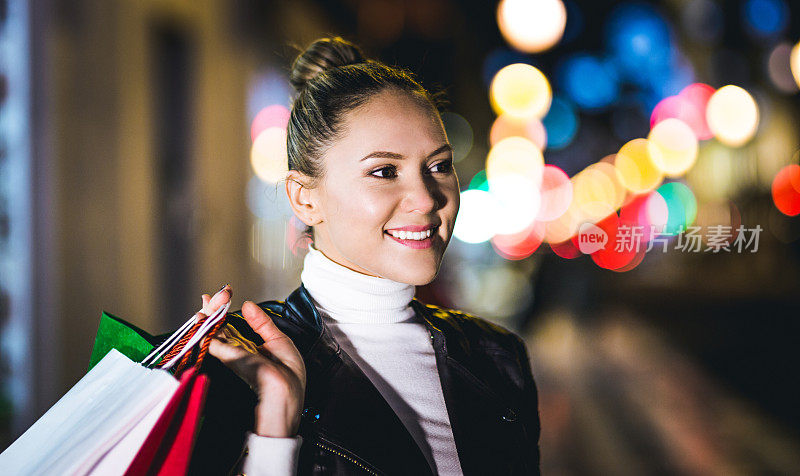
<point>597,192</point>
<point>732,115</point>
<point>635,168</point>
<point>268,155</point>
<point>672,146</point>
<point>565,226</point>
<point>520,90</point>
<point>515,156</point>
<point>794,62</point>
<point>532,26</point>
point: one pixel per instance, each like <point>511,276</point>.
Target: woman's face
<point>391,168</point>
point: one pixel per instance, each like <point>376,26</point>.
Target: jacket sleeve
<point>267,456</point>
<point>529,412</point>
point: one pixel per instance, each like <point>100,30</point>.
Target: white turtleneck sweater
<point>371,318</point>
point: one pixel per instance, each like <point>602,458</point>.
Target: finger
<point>219,299</point>
<point>275,341</point>
<point>206,300</point>
<point>243,363</point>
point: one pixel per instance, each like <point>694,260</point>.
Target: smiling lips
<point>414,236</point>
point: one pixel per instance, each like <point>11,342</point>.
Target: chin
<point>418,279</point>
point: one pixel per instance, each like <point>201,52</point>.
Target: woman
<point>354,374</point>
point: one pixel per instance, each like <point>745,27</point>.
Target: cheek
<point>361,211</point>
<point>453,200</point>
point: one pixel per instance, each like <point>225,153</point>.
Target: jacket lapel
<point>355,418</point>
<point>480,403</point>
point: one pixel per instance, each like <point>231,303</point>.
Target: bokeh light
<point>519,200</point>
<point>519,245</point>
<point>639,41</point>
<point>779,68</point>
<point>689,106</point>
<point>459,133</point>
<point>612,255</point>
<point>564,227</point>
<point>648,212</point>
<point>672,146</point>
<point>589,82</point>
<point>515,156</point>
<point>561,124</point>
<point>268,155</point>
<point>475,222</point>
<point>681,205</point>
<point>636,169</point>
<point>597,191</point>
<point>556,193</point>
<point>520,90</point>
<point>506,125</point>
<point>794,63</point>
<point>765,18</point>
<point>786,190</point>
<point>532,26</point>
<point>732,115</point>
<point>498,59</point>
<point>479,181</point>
<point>270,116</point>
<point>566,249</point>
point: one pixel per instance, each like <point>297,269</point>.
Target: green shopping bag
<point>114,332</point>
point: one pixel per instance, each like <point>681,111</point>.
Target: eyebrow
<point>394,155</point>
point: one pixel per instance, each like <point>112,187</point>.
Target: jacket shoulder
<point>478,330</point>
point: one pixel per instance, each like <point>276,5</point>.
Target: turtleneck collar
<point>346,295</point>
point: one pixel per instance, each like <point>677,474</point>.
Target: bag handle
<point>198,332</point>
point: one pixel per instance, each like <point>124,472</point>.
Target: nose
<point>421,195</point>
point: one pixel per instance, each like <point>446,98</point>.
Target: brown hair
<point>332,77</point>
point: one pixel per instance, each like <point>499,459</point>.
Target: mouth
<point>414,239</point>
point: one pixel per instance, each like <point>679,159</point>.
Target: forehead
<point>393,121</point>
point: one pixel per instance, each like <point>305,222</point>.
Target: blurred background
<point>630,176</point>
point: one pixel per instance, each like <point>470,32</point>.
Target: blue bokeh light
<point>639,42</point>
<point>561,124</point>
<point>766,17</point>
<point>588,81</point>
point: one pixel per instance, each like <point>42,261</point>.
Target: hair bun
<point>321,55</point>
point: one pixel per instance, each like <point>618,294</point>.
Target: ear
<point>302,198</point>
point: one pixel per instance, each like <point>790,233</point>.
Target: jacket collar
<point>447,336</point>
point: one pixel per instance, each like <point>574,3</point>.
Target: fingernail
<point>221,289</point>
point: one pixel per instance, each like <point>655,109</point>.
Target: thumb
<point>275,341</point>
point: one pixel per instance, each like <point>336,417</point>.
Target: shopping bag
<point>115,333</point>
<point>166,444</point>
<point>168,448</point>
<point>118,402</point>
<point>90,419</point>
<point>228,412</point>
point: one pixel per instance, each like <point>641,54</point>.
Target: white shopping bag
<point>98,426</point>
<point>90,419</point>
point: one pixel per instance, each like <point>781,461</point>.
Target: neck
<point>346,295</point>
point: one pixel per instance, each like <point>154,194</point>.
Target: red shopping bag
<point>168,448</point>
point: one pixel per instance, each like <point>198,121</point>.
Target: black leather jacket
<point>347,426</point>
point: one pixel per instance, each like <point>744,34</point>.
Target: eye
<point>390,168</point>
<point>445,166</point>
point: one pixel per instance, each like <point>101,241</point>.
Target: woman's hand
<point>277,372</point>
